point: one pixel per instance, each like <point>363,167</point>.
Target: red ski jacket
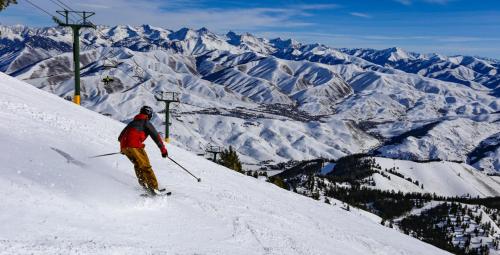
<point>134,134</point>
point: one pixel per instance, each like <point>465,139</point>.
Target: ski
<point>159,193</point>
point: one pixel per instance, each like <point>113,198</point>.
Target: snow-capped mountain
<point>274,99</point>
<point>471,71</point>
<point>55,200</point>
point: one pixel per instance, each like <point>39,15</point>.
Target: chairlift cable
<point>39,8</point>
<point>64,8</point>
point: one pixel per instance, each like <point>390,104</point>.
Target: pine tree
<point>327,200</point>
<point>5,3</point>
<point>255,174</point>
<point>229,158</point>
<point>315,195</point>
<point>276,180</point>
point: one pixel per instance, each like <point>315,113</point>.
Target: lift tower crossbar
<point>75,26</point>
<point>214,149</point>
<point>167,98</point>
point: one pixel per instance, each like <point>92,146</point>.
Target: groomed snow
<point>55,200</point>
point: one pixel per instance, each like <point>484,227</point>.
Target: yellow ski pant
<point>143,170</point>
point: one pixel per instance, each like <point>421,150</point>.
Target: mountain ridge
<point>244,74</point>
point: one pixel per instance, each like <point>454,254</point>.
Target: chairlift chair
<point>107,80</point>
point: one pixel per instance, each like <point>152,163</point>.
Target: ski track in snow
<point>52,207</point>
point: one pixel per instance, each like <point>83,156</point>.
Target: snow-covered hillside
<point>57,200</point>
<point>442,178</point>
<point>273,99</point>
<point>453,139</point>
<point>471,71</point>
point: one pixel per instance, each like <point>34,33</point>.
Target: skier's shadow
<point>69,158</point>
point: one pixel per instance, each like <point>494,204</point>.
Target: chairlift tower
<point>167,98</point>
<point>214,149</point>
<point>76,26</point>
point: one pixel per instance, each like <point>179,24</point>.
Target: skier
<point>131,145</point>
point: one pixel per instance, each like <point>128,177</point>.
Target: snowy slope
<point>443,178</point>
<point>487,154</point>
<point>57,200</point>
<point>449,139</point>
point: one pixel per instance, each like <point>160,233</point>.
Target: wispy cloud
<point>175,14</point>
<point>438,1</point>
<point>448,45</point>
<point>347,26</point>
<point>427,38</point>
<point>373,38</point>
<point>405,2</point>
<point>94,6</point>
<point>361,15</point>
<point>410,2</point>
<point>316,6</point>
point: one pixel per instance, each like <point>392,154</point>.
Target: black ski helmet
<point>147,110</point>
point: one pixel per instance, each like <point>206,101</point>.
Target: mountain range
<point>275,100</point>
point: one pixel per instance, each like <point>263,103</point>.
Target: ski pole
<point>199,179</point>
<point>107,154</point>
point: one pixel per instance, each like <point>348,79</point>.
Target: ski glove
<point>164,152</point>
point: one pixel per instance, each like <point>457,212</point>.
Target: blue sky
<point>443,26</point>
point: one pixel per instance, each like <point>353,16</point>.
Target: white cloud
<point>405,2</point>
<point>175,14</point>
<point>448,45</point>
<point>94,6</point>
<point>438,1</point>
<point>410,2</point>
<point>316,6</point>
<point>361,15</point>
